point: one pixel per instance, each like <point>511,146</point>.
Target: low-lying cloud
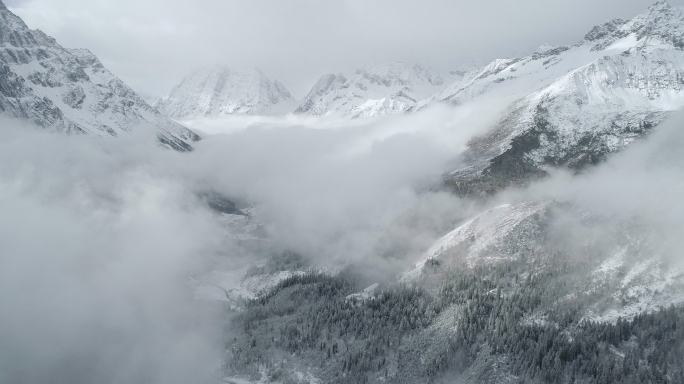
<point>101,238</point>
<point>95,252</point>
<point>334,194</point>
<point>637,194</point>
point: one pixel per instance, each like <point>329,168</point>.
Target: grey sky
<point>151,44</point>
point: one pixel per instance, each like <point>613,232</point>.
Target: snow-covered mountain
<point>221,91</point>
<point>573,105</point>
<point>372,91</point>
<point>616,278</point>
<point>69,90</point>
<point>503,291</point>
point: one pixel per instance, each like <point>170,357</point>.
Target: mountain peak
<point>227,70</point>
<point>374,90</point>
<point>660,6</point>
<point>661,11</point>
<point>69,90</point>
<point>661,21</point>
<point>401,73</point>
<point>221,91</point>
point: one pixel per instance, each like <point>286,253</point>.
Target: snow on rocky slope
<point>372,91</point>
<point>620,272</point>
<point>573,105</point>
<point>221,91</point>
<point>482,239</point>
<point>69,90</point>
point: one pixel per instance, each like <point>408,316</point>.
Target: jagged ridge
<point>576,104</point>
<point>373,91</point>
<point>69,90</point>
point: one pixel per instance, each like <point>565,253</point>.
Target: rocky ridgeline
<point>69,90</point>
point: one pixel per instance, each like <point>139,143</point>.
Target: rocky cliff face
<point>69,90</point>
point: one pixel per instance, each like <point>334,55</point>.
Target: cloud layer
<point>95,252</point>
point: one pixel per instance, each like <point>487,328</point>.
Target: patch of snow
<point>611,266</point>
<point>474,242</point>
<point>625,43</point>
<point>235,286</point>
<point>367,294</point>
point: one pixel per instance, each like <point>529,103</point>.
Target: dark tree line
<point>561,347</point>
<point>521,317</point>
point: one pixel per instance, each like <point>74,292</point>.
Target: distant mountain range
<point>369,92</point>
<point>373,91</point>
<point>569,105</point>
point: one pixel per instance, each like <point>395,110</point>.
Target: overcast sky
<point>151,44</point>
